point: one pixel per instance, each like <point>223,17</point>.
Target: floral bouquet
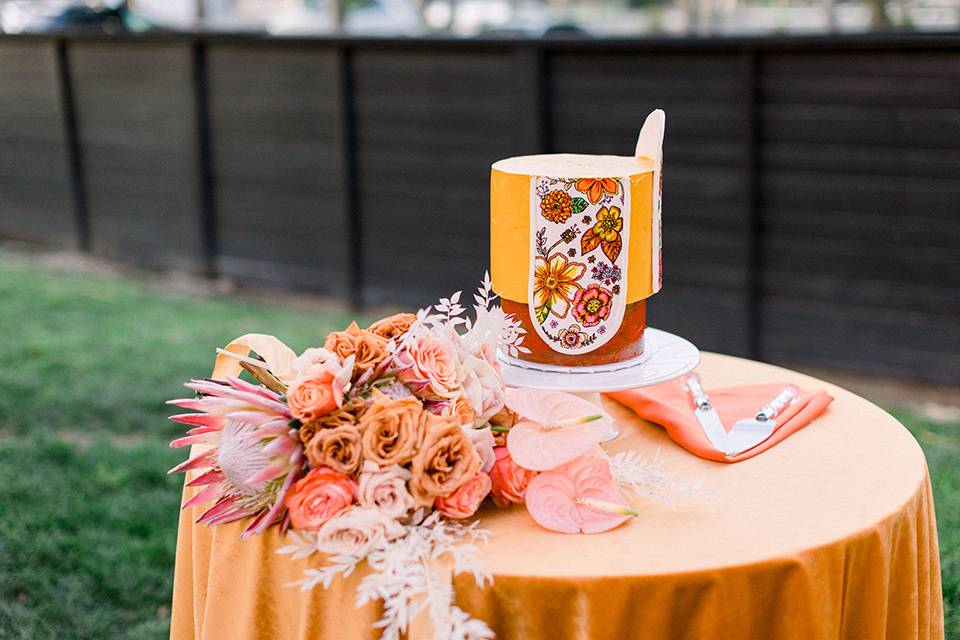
<point>376,445</point>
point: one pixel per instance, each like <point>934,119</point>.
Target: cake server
<point>705,413</point>
<point>750,432</point>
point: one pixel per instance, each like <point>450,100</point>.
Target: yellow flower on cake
<point>554,285</point>
<point>605,233</point>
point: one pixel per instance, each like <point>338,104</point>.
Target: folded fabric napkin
<point>670,406</point>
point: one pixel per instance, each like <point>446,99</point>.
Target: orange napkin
<point>669,405</point>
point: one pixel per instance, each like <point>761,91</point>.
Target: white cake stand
<point>665,357</point>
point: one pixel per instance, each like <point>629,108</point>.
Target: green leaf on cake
<point>579,204</point>
<point>542,312</point>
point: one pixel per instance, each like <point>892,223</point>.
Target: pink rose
<point>509,479</point>
<point>314,394</point>
<point>465,501</point>
<point>430,368</point>
<point>358,532</point>
<point>317,497</point>
<point>385,489</point>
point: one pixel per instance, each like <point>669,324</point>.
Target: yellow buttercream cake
<point>575,250</point>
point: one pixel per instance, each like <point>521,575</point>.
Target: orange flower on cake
<point>596,188</point>
<point>445,462</point>
<point>556,206</point>
<point>429,368</point>
<point>509,479</point>
<point>591,305</point>
<point>465,501</point>
<point>605,233</point>
<point>319,496</point>
<point>554,285</point>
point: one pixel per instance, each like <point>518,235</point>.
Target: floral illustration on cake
<point>605,233</point>
<point>575,309</point>
<point>591,305</point>
<point>596,188</point>
<point>555,285</point>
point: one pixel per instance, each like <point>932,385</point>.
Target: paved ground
<point>940,402</point>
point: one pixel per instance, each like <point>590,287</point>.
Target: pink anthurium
<point>579,496</point>
<point>556,427</point>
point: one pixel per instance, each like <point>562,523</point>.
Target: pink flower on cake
<point>315,393</point>
<point>572,337</point>
<point>509,479</point>
<point>591,305</point>
<point>317,497</point>
<point>465,501</point>
<point>430,368</point>
<point>358,532</point>
<point>385,489</point>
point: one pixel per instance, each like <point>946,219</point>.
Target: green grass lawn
<point>88,514</point>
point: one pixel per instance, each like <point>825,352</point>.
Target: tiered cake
<point>575,250</point>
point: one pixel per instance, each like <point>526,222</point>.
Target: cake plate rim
<point>666,357</point>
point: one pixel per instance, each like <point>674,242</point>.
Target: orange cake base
<point>626,345</point>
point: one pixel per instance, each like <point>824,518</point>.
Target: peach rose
<point>430,368</point>
<point>315,393</point>
<point>391,431</point>
<point>337,448</point>
<point>368,348</point>
<point>445,462</point>
<point>394,327</point>
<point>465,501</point>
<point>358,532</point>
<point>509,479</point>
<point>385,489</point>
<point>317,497</point>
<point>457,408</point>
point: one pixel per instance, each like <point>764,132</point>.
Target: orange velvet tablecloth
<point>829,534</point>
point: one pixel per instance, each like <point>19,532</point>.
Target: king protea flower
<point>253,455</point>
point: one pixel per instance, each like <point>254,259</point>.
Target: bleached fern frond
<point>646,478</point>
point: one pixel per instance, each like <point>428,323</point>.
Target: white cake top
<point>575,165</point>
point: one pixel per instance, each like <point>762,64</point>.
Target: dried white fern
<point>402,578</point>
<point>646,478</point>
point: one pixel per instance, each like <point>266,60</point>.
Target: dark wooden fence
<point>811,186</point>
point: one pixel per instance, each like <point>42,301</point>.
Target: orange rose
<point>314,394</point>
<point>445,462</point>
<point>391,430</point>
<point>458,408</point>
<point>317,497</point>
<point>337,448</point>
<point>509,479</point>
<point>394,327</point>
<point>465,501</point>
<point>369,348</point>
<point>347,415</point>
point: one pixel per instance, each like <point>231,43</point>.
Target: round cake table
<point>829,534</point>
